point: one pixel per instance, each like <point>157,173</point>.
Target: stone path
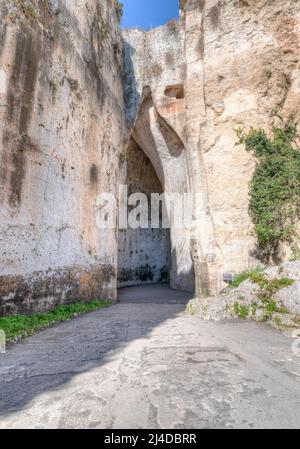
<point>145,364</point>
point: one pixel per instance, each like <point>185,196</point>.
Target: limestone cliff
<point>61,131</point>
<point>226,64</point>
<point>83,109</point>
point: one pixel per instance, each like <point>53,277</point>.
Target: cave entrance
<point>156,162</point>
<point>144,255</point>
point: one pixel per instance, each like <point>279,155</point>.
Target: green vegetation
<point>240,311</point>
<point>268,289</point>
<point>103,29</point>
<point>19,326</point>
<point>295,256</point>
<point>270,306</point>
<point>254,308</point>
<point>28,9</point>
<point>291,323</point>
<point>297,321</point>
<point>275,187</point>
<point>52,85</point>
<point>278,321</point>
<point>119,10</point>
<point>273,286</point>
<point>254,275</point>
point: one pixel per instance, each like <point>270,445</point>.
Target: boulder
<point>290,297</point>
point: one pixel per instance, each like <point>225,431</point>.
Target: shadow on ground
<point>145,364</point>
<point>52,357</point>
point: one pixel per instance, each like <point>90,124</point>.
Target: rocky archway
<point>144,255</point>
<point>165,150</point>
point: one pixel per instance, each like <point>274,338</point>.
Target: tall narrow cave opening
<point>144,255</point>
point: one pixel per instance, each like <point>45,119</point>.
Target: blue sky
<point>148,13</point>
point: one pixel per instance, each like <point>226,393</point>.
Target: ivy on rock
<point>275,186</point>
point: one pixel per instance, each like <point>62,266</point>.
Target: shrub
<point>254,275</point>
<point>172,26</point>
<point>275,187</point>
<point>275,285</point>
<point>119,10</point>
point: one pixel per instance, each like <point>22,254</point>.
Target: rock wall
<point>68,112</point>
<point>143,254</point>
<point>155,110</point>
<point>226,64</point>
<point>61,135</point>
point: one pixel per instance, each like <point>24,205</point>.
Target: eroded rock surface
<point>61,128</point>
<point>74,92</point>
<point>269,296</point>
<point>227,64</point>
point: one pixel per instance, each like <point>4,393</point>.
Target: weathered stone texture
<point>237,62</point>
<point>280,308</point>
<point>61,131</point>
<point>155,107</point>
<point>143,254</point>
<point>185,87</point>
